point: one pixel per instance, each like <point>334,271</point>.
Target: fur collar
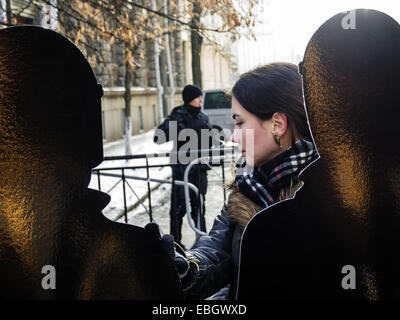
<point>241,209</point>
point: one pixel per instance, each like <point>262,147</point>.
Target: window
<point>154,115</point>
<point>140,118</point>
<point>217,100</point>
<point>123,121</point>
<point>103,125</point>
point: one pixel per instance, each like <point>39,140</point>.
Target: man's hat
<point>190,92</point>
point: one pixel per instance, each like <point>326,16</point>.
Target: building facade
<point>217,70</point>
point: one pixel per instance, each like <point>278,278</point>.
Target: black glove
<point>167,246</point>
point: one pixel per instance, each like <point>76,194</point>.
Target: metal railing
<point>213,158</point>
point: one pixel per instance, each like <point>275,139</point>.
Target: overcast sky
<point>288,25</point>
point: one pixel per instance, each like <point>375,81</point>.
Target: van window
<point>217,100</point>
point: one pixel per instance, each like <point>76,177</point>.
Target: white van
<point>217,106</point>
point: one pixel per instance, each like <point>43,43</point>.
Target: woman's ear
<point>279,124</point>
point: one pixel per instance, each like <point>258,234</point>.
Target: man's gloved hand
<point>167,246</point>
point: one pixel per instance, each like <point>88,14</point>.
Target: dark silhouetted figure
<point>50,139</point>
<point>340,236</point>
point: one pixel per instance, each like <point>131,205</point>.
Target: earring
<point>276,138</point>
<point>278,141</point>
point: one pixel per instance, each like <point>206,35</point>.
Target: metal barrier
<point>213,159</point>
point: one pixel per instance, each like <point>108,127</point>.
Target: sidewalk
<point>141,143</point>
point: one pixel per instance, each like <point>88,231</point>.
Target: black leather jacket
<point>184,117</point>
<point>218,255</point>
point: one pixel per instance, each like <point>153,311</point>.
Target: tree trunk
<point>157,69</point>
<point>164,80</point>
<point>169,62</point>
<point>127,98</point>
<point>196,42</point>
<point>8,12</point>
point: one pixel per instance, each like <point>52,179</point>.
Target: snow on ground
<point>214,201</point>
<point>134,189</point>
<point>138,210</point>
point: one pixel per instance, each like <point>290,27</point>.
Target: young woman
<point>274,139</point>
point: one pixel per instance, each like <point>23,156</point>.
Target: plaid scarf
<point>263,184</point>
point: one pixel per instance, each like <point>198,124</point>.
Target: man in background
<point>186,116</point>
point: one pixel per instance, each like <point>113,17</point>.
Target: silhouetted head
<point>50,101</point>
<point>351,74</point>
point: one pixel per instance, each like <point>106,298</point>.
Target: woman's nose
<point>235,136</point>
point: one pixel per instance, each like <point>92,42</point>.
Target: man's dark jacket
<point>184,117</point>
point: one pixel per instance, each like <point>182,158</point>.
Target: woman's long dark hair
<point>275,87</point>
